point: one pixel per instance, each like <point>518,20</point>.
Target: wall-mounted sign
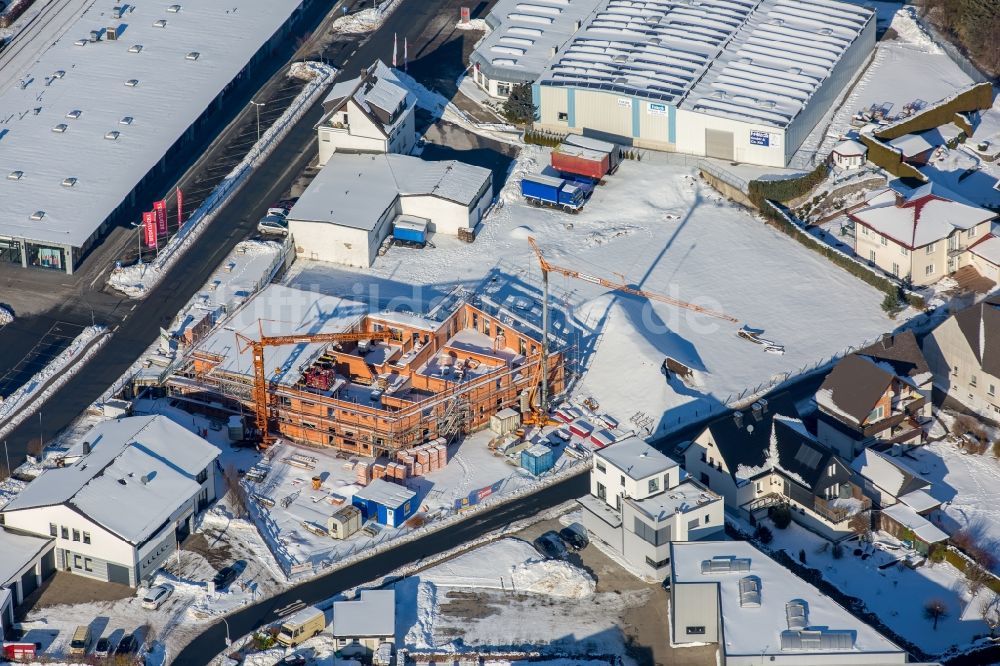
<point>758,138</point>
<point>625,101</point>
<point>655,109</point>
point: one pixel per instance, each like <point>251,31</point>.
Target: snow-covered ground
<point>668,232</point>
<point>896,593</point>
<point>505,596</point>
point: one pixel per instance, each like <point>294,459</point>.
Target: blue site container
<point>386,503</point>
<point>538,459</point>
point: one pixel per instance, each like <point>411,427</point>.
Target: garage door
<point>28,583</point>
<point>48,564</point>
<point>719,144</point>
<point>118,574</point>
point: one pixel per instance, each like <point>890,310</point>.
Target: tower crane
<point>260,397</point>
<point>593,279</point>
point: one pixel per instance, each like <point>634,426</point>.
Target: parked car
<point>278,209</point>
<point>127,645</point>
<point>156,596</point>
<point>291,660</point>
<point>274,225</point>
<point>81,641</point>
<point>551,546</point>
<point>575,536</point>
<point>103,648</point>
<point>228,574</point>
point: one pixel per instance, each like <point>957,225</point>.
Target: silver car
<point>156,596</point>
<point>274,225</point>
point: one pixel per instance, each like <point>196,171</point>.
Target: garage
<point>29,583</point>
<point>719,144</point>
<point>118,574</point>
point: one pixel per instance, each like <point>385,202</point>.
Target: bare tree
<point>989,610</point>
<point>976,577</point>
<point>935,610</point>
<point>235,492</point>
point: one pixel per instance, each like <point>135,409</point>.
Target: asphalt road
<point>212,641</point>
<point>137,324</point>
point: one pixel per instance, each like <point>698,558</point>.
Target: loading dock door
<point>118,574</point>
<point>48,564</point>
<point>719,144</point>
<point>28,583</point>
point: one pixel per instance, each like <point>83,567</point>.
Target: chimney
<point>86,448</point>
<point>738,418</point>
<point>757,411</point>
<point>576,26</point>
<point>763,405</point>
<point>553,51</point>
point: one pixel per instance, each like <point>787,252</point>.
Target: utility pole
<point>10,472</point>
<point>257,106</point>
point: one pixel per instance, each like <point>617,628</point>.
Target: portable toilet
<point>505,421</point>
<point>537,459</point>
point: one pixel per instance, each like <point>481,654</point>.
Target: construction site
<point>324,371</point>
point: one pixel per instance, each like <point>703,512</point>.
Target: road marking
<point>132,309</point>
<point>298,604</point>
<point>115,329</point>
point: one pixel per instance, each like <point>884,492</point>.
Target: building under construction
<point>334,374</point>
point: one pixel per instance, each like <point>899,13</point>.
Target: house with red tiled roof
<point>923,234</point>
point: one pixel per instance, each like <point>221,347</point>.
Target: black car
<point>575,536</point>
<point>126,645</point>
<point>227,575</point>
<point>551,546</point>
<point>292,660</point>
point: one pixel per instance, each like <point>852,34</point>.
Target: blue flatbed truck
<point>542,190</point>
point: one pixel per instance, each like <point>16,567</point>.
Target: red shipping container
<point>580,161</point>
<point>580,428</point>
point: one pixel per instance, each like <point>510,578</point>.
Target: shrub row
<point>548,139</point>
<point>779,220</point>
<point>786,189</point>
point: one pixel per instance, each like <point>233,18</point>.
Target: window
<point>708,519</point>
<point>895,269</point>
<point>563,116</point>
<point>654,485</point>
<point>903,251</point>
<point>202,476</point>
<point>87,562</point>
<point>931,248</point>
<point>53,530</point>
<point>954,370</point>
<point>971,233</point>
<point>65,532</point>
<point>929,270</point>
<point>602,492</point>
<point>623,480</point>
<point>832,469</point>
<point>657,565</point>
<point>883,240</point>
<point>601,467</point>
<point>695,631</point>
<point>693,524</point>
<point>76,562</point>
<point>650,535</point>
<point>503,89</point>
<point>704,479</point>
<point>972,380</point>
<point>86,537</point>
<point>864,230</point>
<point>876,413</point>
<point>871,256</point>
<point>991,390</point>
<point>759,487</point>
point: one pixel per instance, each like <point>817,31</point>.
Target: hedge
<point>890,159</point>
<point>549,139</point>
<point>974,98</point>
<point>955,559</point>
<point>780,221</point>
<point>786,189</point>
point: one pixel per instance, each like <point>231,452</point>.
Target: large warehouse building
<point>117,95</point>
<point>740,80</point>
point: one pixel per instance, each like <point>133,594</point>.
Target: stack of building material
<point>423,459</point>
<point>408,460</point>
<point>395,471</point>
<point>378,471</point>
<point>362,473</point>
<point>320,378</point>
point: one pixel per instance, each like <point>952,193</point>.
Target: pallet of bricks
<point>425,458</point>
<point>365,472</point>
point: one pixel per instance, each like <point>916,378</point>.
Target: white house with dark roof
<point>921,235</point>
<point>758,612</point>
<point>371,113</point>
<point>124,500</point>
<point>354,202</point>
<point>638,504</point>
<point>964,355</point>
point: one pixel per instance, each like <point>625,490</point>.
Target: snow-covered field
<point>668,232</point>
<point>897,594</point>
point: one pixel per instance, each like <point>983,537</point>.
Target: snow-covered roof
<point>778,59</point>
<point>178,68</point>
<point>758,628</point>
<point>356,190</point>
<point>988,248</point>
<point>925,530</point>
<point>378,87</point>
<point>891,474</point>
<point>139,471</point>
<point>636,458</point>
<point>911,145</point>
<point>927,215</point>
<point>280,310</point>
<point>980,325</point>
<point>374,614</point>
<point>524,33</point>
<point>387,494</point>
<point>920,501</point>
<point>850,148</point>
<point>19,550</point>
<point>680,499</point>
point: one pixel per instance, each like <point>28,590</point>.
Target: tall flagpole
<point>394,49</point>
<point>405,57</point>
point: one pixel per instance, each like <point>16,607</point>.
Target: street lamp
<point>257,105</point>
<point>229,643</point>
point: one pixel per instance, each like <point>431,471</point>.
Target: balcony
<point>840,509</point>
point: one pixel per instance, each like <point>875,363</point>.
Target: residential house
<point>986,257</point>
<point>964,355</point>
<point>887,478</point>
<point>922,235</point>
<point>849,154</point>
<point>123,501</point>
<point>26,562</point>
<point>879,394</point>
<point>757,459</point>
<point>638,505</point>
<point>371,113</point>
<point>360,626</point>
<point>758,612</point>
<point>908,523</point>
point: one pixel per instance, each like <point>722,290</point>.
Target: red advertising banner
<point>160,208</point>
<point>149,227</point>
<point>180,208</point>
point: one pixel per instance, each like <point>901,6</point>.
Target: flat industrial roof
<point>19,550</point>
<point>356,190</point>
<point>756,628</point>
<point>174,88</point>
<point>281,310</point>
<point>524,33</point>
<point>373,614</point>
<point>387,494</point>
<point>636,458</point>
<point>758,60</point>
